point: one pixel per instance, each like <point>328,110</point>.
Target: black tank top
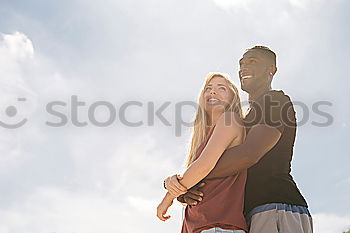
<point>270,181</point>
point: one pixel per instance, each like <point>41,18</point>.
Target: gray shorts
<point>279,218</point>
<point>219,230</point>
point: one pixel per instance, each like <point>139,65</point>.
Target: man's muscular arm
<point>260,139</point>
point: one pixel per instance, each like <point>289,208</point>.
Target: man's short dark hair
<point>266,50</point>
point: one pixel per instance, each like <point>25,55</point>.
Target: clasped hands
<point>190,197</point>
<point>176,190</point>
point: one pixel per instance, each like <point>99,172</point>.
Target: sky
<point>66,66</point>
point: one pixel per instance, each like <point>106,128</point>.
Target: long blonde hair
<point>199,132</point>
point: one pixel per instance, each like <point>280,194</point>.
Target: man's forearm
<point>259,141</point>
<point>232,160</point>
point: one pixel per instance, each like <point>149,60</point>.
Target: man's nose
<point>243,68</point>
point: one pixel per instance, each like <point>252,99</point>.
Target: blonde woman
<point>217,127</point>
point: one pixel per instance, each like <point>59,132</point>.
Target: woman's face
<point>217,95</point>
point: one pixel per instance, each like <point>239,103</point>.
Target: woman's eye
<point>207,89</point>
<point>222,88</point>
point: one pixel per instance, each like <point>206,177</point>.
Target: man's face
<point>254,71</point>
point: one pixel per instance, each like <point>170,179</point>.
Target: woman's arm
<point>164,205</point>
<point>228,128</point>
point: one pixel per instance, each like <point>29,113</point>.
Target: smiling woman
<point>216,93</point>
<point>217,126</point>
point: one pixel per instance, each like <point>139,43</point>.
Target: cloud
<point>226,4</point>
<point>15,50</point>
<point>330,223</point>
<point>246,4</point>
<point>52,209</point>
<point>28,81</point>
<point>17,46</point>
<point>103,192</point>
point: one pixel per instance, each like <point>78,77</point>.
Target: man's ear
<point>273,70</point>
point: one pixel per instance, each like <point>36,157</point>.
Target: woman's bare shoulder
<point>234,122</point>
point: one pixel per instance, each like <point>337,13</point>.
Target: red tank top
<point>222,204</point>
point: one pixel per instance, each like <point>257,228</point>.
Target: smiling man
<point>273,203</point>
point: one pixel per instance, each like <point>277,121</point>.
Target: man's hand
<point>193,196</point>
<point>173,185</point>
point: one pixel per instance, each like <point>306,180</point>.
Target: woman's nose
<point>212,91</point>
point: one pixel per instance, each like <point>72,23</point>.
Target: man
<point>273,202</point>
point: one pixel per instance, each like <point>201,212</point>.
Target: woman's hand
<point>173,185</point>
<point>163,208</point>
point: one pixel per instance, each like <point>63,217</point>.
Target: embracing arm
<point>222,137</point>
<point>260,139</point>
